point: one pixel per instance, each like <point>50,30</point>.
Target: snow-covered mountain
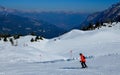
<point>55,56</point>
<point>93,43</point>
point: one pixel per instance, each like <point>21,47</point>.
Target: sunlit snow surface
<point>54,56</point>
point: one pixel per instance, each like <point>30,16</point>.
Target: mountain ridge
<point>110,14</point>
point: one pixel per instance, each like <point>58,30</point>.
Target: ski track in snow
<point>95,67</point>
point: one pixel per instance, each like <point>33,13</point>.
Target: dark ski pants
<point>83,64</point>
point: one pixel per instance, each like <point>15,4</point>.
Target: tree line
<point>13,38</point>
<point>97,25</point>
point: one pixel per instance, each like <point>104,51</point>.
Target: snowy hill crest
<point>98,42</point>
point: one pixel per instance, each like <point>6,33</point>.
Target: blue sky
<point>59,5</point>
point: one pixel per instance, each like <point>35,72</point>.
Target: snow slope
<point>104,65</point>
<point>54,56</point>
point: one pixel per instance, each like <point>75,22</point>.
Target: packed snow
<point>60,55</point>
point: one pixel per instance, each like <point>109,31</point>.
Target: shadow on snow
<point>71,68</point>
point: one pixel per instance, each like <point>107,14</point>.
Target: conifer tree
<point>5,39</point>
<point>32,40</point>
<point>11,41</point>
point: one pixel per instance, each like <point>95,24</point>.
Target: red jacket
<point>82,58</point>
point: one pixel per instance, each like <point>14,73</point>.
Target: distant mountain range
<point>51,24</point>
<point>64,20</point>
<point>10,23</point>
<point>46,24</point>
<point>110,14</point>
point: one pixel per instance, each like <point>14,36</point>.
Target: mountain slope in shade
<point>64,20</point>
<point>12,23</point>
<point>110,14</point>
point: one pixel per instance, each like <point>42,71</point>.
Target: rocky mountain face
<point>110,14</point>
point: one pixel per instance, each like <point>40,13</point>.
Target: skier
<point>83,60</point>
